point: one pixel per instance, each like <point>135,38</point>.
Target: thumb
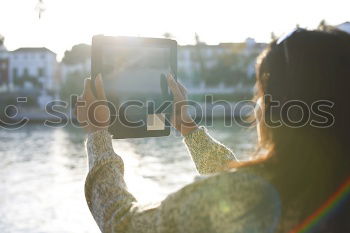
<point>87,92</point>
<point>173,86</point>
<point>100,91</point>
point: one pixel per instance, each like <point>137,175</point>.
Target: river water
<point>42,173</point>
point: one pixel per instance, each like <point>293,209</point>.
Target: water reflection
<point>42,173</point>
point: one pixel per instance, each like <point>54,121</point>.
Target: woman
<point>300,169</point>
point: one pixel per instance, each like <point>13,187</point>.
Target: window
<point>41,72</point>
<point>25,72</point>
<point>15,72</point>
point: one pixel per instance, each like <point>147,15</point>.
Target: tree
<point>273,36</point>
<point>230,69</point>
<point>72,86</point>
<point>78,54</point>
<point>2,40</point>
<point>322,25</point>
<point>168,35</point>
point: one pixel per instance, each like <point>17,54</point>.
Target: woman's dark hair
<point>308,67</point>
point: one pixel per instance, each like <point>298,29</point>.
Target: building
<point>32,68</point>
<point>30,72</point>
<point>4,64</point>
<point>193,59</point>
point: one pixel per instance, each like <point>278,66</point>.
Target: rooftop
<point>33,49</point>
<point>344,26</point>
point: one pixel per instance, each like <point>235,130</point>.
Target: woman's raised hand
<point>92,110</point>
<point>181,120</point>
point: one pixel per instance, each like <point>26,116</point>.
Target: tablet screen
<point>135,73</point>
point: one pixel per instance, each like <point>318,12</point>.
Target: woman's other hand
<point>92,111</point>
<point>181,120</point>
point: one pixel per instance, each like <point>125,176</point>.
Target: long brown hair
<point>309,66</point>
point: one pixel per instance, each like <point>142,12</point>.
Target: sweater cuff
<point>193,134</point>
<point>209,155</point>
<point>98,145</point>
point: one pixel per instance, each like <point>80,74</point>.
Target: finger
<point>80,101</point>
<point>173,86</point>
<point>87,92</point>
<point>75,111</point>
<point>77,103</point>
<point>182,88</point>
<point>100,91</point>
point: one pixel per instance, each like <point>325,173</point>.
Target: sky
<point>65,23</point>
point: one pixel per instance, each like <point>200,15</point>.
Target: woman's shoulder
<point>244,179</point>
<point>239,183</point>
<point>238,199</point>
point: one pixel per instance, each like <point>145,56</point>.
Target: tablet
<point>134,73</point>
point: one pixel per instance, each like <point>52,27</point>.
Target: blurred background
<point>45,55</point>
